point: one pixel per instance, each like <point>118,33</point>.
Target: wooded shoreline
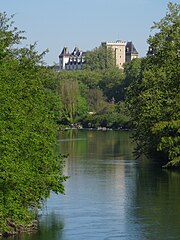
<point>15,229</point>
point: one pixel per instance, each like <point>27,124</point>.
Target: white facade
<point>73,61</point>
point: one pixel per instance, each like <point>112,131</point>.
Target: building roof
<point>75,52</point>
<point>65,52</point>
<point>130,48</point>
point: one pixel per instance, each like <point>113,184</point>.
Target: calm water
<point>109,194</point>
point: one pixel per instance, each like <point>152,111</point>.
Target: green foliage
<point>29,167</point>
<point>97,102</point>
<point>111,84</point>
<point>69,92</point>
<point>99,59</point>
<point>90,79</point>
<point>174,164</point>
<point>9,35</point>
<point>110,120</point>
<point>113,117</point>
<point>132,72</point>
<point>73,94</point>
<point>85,92</point>
<point>153,96</point>
<point>168,134</point>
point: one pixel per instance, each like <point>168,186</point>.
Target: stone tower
<point>119,49</point>
<point>123,52</point>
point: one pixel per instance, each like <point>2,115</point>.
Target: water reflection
<point>110,195</point>
<point>157,201</point>
<point>50,228</point>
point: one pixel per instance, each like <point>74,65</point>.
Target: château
<point>123,52</point>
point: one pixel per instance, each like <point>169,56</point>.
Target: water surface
<point>109,194</point>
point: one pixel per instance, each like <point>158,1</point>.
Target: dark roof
<point>130,48</point>
<point>64,52</point>
<point>75,52</point>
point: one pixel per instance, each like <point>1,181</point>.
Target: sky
<point>84,23</point>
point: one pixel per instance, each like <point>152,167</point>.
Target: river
<point>110,195</point>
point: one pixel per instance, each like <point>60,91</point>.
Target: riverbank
<point>15,229</point>
<point>174,164</point>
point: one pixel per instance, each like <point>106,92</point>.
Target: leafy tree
<point>153,98</point>
<point>111,84</point>
<point>73,94</point>
<point>132,71</point>
<point>9,35</point>
<point>90,79</point>
<point>100,58</point>
<point>69,92</point>
<point>97,101</point>
<point>29,167</point>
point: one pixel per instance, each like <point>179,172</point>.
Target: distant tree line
<point>92,98</point>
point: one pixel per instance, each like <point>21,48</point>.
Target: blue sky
<point>84,23</point>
